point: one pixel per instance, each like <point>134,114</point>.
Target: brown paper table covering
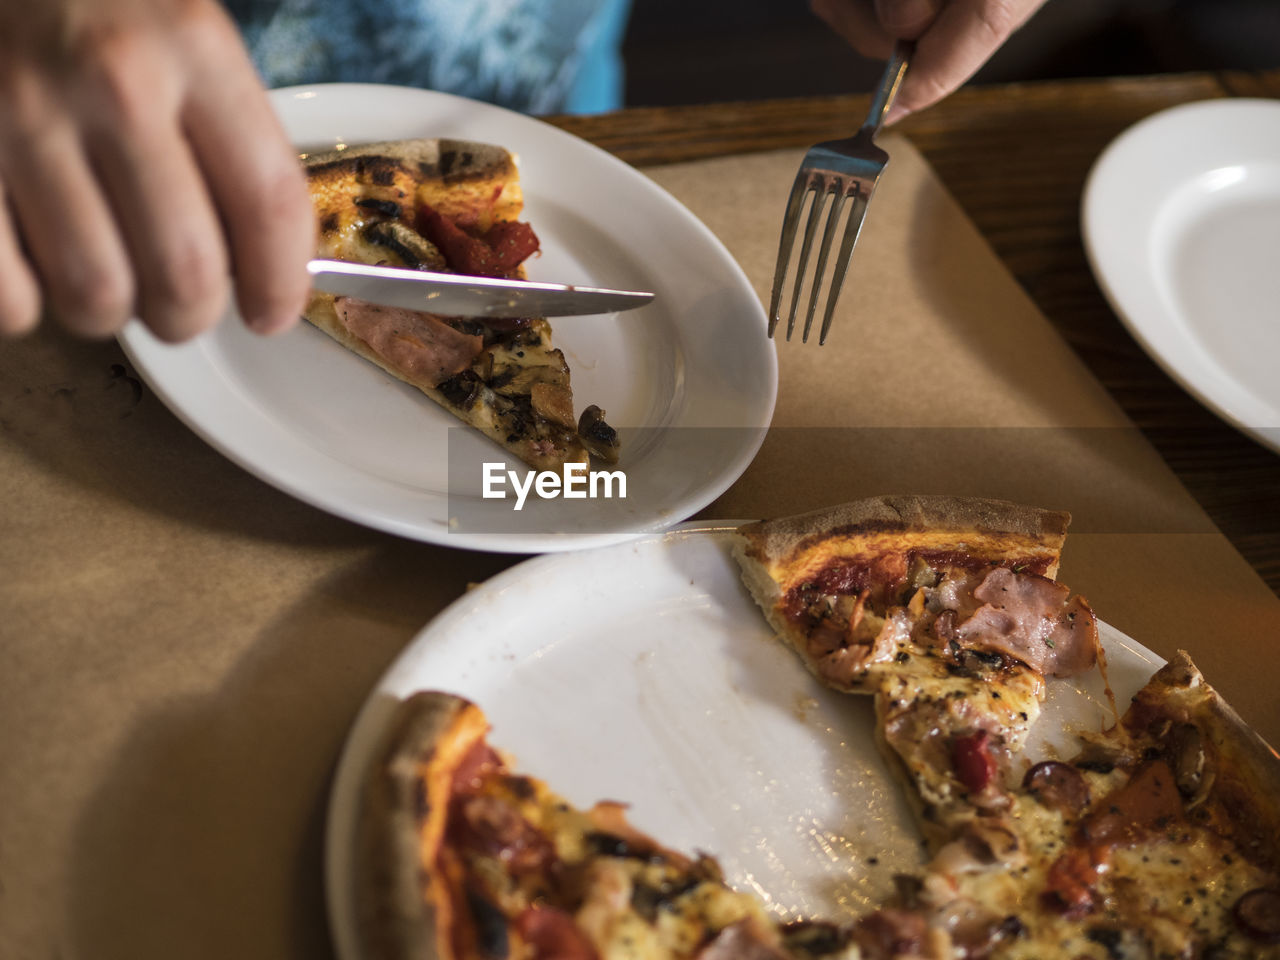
<point>185,647</point>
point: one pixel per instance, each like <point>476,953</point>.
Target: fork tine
<point>828,234</point>
<point>802,264</point>
<point>790,220</point>
<point>857,214</point>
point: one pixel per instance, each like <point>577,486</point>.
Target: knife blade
<point>456,295</point>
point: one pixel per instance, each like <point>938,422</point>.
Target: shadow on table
<point>79,409</point>
<point>203,838</point>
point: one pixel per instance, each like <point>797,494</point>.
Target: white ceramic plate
<point>665,688</point>
<point>691,379</point>
<point>1181,219</point>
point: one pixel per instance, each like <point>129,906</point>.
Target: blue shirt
<point>535,56</point>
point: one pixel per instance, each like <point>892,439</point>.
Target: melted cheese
<point>633,906</point>
<point>1182,903</point>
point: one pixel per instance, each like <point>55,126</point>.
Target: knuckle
<point>189,277</point>
<point>26,102</point>
<point>93,300</point>
<point>121,81</point>
<point>997,19</point>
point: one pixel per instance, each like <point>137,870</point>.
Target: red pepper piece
<point>972,760</point>
<point>495,254</point>
<point>512,243</point>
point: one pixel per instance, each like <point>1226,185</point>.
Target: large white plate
<point>656,681</point>
<point>691,378</point>
<point>1181,218</point>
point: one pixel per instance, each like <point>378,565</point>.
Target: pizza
<point>450,206</point>
<point>1159,838</point>
<point>458,855</point>
<point>944,610</point>
<point>1156,840</point>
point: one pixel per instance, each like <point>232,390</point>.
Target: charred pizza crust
<point>503,378</point>
<point>396,914</point>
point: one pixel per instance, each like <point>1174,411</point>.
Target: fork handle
<point>887,89</point>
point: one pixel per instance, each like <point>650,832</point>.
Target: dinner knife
<point>457,295</point>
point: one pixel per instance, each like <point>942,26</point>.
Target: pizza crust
<point>936,520</point>
<point>774,555</point>
<point>397,832</point>
<point>453,176</point>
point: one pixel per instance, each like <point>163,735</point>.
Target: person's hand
<point>141,166</point>
<point>953,38</point>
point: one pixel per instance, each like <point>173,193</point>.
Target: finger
<point>256,182</point>
<point>65,220</point>
<point>907,19</point>
<point>962,38</point>
<point>157,192</point>
<point>19,292</point>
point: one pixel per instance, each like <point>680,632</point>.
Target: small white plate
<point>1181,219</point>
<point>690,380</point>
<point>653,679</point>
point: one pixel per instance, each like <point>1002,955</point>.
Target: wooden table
<point>1016,157</point>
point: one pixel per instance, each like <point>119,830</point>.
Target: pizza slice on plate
<point>459,857</point>
<point>945,610</point>
<point>1158,840</point>
<point>452,206</point>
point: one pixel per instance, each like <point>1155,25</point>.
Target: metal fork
<point>841,169</point>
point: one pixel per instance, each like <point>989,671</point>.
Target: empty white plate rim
<point>1181,222</point>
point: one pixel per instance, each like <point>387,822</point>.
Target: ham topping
<point>841,653</point>
<point>418,344</point>
<point>495,253</point>
<point>1035,620</point>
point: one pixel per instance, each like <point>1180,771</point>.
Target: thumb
<point>906,19</point>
